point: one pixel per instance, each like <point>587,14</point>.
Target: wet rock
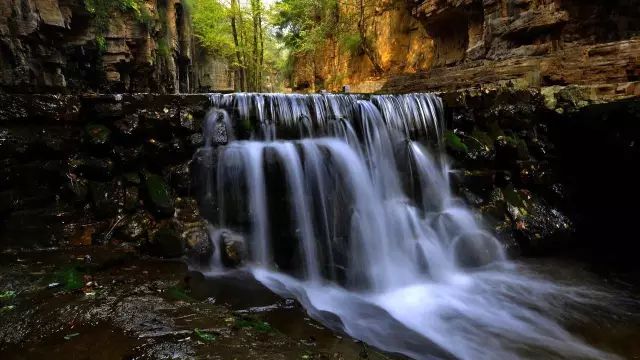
<point>161,152</point>
<point>185,121</point>
<point>179,177</point>
<point>195,141</point>
<point>476,250</point>
<point>128,126</point>
<point>200,246</point>
<point>128,158</point>
<point>221,133</point>
<point>131,198</point>
<point>97,135</point>
<point>168,241</point>
<point>158,195</point>
<point>106,198</point>
<point>78,186</point>
<point>233,249</point>
<point>132,178</point>
<point>7,202</point>
<point>509,150</point>
<point>91,167</point>
<point>135,228</point>
<point>540,228</point>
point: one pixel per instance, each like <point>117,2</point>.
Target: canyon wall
<point>454,44</point>
<point>66,46</point>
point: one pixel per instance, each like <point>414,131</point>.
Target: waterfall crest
<point>345,203</point>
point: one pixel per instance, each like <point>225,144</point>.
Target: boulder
<point>135,228</point>
<point>233,248</point>
<point>168,241</point>
<point>158,195</point>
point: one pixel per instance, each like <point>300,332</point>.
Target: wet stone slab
<point>104,303</point>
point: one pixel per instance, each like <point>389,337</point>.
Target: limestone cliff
<point>59,46</point>
<point>452,44</point>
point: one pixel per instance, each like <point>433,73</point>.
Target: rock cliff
<point>98,45</point>
<point>454,44</point>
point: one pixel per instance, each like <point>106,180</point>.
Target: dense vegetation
<point>240,32</point>
<point>263,42</point>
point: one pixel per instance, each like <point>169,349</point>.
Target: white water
<point>377,245</point>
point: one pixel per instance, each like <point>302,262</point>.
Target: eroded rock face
<point>54,46</point>
<point>427,45</point>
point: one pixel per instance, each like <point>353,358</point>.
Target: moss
<point>255,324</point>
<point>178,293</point>
<point>103,11</point>
<point>204,335</point>
<point>70,277</point>
<point>454,142</point>
<point>512,197</point>
<point>159,194</point>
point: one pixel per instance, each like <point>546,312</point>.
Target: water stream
<point>345,204</point>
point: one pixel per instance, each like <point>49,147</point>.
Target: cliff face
<point>57,46</point>
<point>451,44</point>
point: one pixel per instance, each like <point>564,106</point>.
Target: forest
<point>263,40</point>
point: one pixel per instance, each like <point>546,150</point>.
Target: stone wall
<point>548,169</point>
<point>54,46</point>
<point>107,169</point>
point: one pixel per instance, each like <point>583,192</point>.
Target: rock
<point>128,158</point>
<point>179,177</point>
<point>131,198</point>
<point>477,250</point>
<point>91,167</point>
<point>195,141</point>
<point>106,198</point>
<point>233,249</point>
<point>97,135</point>
<point>168,241</point>
<point>135,228</point>
<point>79,187</point>
<point>158,195</point>
<point>128,126</point>
<point>200,246</point>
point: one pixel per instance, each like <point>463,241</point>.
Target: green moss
<point>204,335</point>
<point>70,277</point>
<point>255,324</point>
<point>104,10</point>
<point>512,197</point>
<point>159,194</point>
<point>178,293</point>
<point>454,142</point>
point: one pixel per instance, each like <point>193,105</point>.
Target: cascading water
<point>345,204</point>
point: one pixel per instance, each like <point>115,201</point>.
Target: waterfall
<point>345,203</point>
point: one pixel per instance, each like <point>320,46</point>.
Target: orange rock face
<point>453,44</point>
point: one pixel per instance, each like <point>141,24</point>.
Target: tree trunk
<point>240,71</point>
<point>366,46</point>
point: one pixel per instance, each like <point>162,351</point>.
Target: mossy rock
<point>454,143</point>
<point>98,134</point>
<point>159,196</point>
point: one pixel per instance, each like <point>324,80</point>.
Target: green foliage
<point>104,10</point>
<point>212,26</point>
<point>352,43</point>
